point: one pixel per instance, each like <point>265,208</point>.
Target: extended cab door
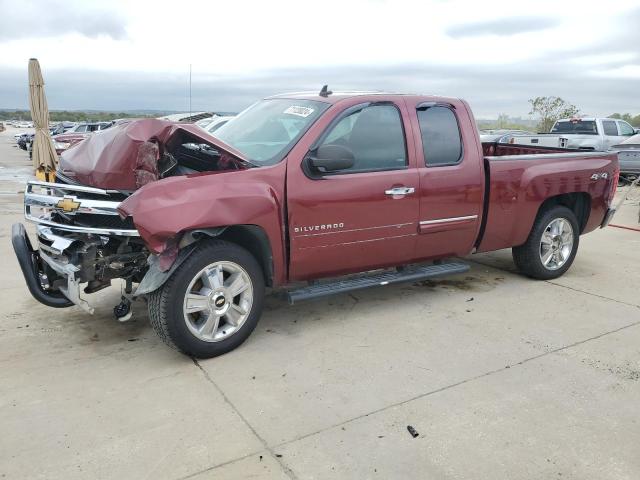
<point>363,217</point>
<point>451,171</point>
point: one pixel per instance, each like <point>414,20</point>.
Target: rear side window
<point>375,136</point>
<point>609,128</point>
<point>441,140</point>
<point>626,129</point>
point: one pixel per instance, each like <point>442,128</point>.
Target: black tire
<point>166,303</point>
<point>527,256</point>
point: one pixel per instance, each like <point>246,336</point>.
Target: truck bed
<point>518,183</point>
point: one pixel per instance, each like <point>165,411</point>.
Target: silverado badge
<point>68,205</point>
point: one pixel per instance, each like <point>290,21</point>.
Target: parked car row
<point>77,133</point>
<point>67,134</point>
<point>20,124</point>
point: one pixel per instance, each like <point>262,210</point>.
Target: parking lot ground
<point>502,377</point>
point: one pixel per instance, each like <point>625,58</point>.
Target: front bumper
<point>30,264</point>
<point>608,216</point>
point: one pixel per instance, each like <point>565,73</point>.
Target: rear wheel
<point>552,244</point>
<point>211,303</point>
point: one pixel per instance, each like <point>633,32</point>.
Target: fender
<point>162,211</point>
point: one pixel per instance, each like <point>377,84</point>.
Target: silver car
<point>629,158</point>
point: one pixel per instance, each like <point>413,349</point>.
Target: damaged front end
<point>83,240</point>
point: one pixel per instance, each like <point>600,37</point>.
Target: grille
<point>76,208</point>
<point>102,221</point>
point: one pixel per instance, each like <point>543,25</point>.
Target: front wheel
<point>552,244</point>
<point>211,303</point>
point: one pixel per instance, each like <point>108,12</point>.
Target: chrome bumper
<point>29,261</point>
<point>52,250</point>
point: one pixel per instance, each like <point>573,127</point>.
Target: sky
<point>134,55</point>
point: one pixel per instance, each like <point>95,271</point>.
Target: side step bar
<point>408,274</point>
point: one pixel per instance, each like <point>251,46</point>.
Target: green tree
<point>549,110</point>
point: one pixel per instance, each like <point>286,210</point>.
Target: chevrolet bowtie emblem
<point>68,205</point>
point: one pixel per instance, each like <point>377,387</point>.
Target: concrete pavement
<point>502,377</point>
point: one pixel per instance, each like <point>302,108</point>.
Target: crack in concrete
<point>219,465</point>
<point>266,446</point>
<point>593,294</point>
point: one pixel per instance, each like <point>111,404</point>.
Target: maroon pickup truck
<point>321,193</point>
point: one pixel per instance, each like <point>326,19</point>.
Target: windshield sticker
<point>303,112</point>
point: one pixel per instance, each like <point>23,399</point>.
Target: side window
<point>441,140</point>
<point>82,128</point>
<point>375,136</point>
<point>609,127</point>
<point>626,129</point>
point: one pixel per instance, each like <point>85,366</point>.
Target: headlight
<point>61,145</point>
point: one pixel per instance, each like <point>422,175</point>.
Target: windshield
<point>585,127</point>
<point>267,130</point>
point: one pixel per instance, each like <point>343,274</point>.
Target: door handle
<point>400,191</point>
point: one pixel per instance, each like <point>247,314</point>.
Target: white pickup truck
<point>598,134</point>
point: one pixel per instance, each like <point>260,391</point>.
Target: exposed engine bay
<point>183,154</point>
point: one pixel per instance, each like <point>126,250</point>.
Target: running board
<point>408,274</point>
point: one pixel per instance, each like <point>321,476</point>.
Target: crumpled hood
<point>107,159</point>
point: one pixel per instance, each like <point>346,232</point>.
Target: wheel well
<point>578,202</point>
<point>255,240</point>
<point>250,237</point>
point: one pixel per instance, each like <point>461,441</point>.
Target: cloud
<point>29,19</point>
<point>490,89</point>
<point>591,59</point>
<point>502,27</point>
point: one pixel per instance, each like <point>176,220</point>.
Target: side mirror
<point>331,158</point>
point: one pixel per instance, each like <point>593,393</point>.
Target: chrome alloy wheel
<point>218,301</point>
<point>556,244</point>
